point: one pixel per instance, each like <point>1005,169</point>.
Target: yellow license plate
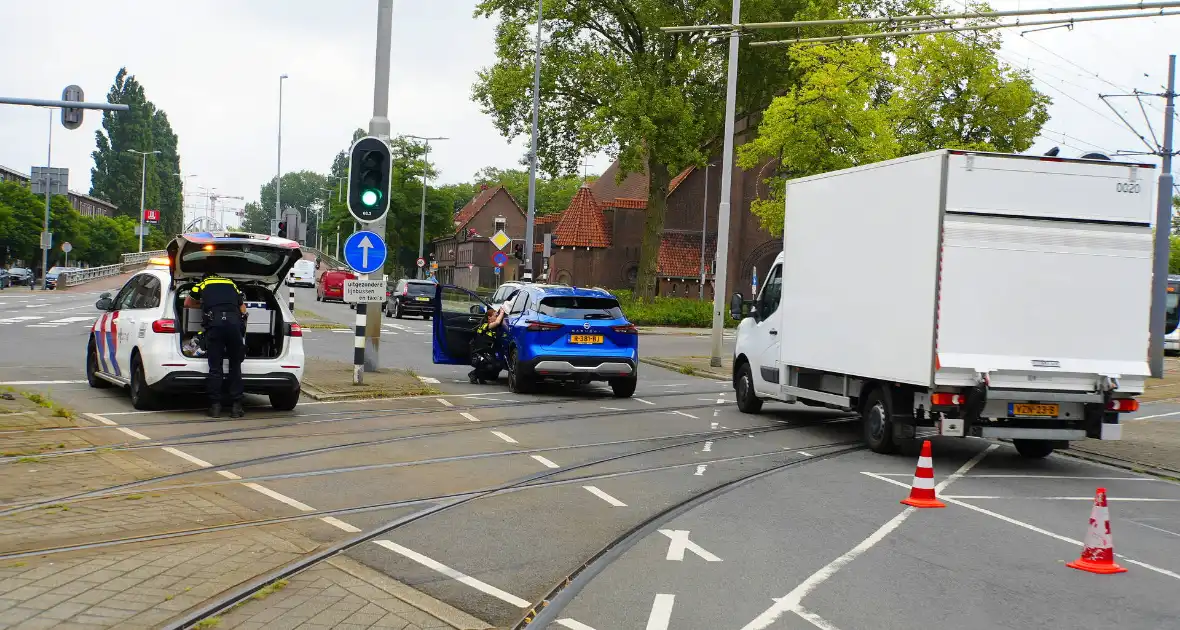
<point>423,299</point>
<point>1029,409</point>
<point>586,339</point>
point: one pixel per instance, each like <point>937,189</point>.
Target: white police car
<point>144,337</point>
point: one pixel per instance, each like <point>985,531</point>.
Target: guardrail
<point>128,262</point>
<point>323,256</point>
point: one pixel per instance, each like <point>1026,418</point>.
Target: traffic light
<point>368,179</point>
<point>71,117</point>
<point>282,229</point>
<point>518,251</point>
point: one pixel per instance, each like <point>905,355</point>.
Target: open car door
<point>456,314</point>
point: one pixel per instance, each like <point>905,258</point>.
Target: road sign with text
<point>364,291</point>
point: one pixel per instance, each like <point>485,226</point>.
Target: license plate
<point>1029,409</point>
<point>423,299</point>
<point>586,339</point>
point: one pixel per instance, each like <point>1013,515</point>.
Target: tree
<point>302,191</point>
<point>1176,214</point>
<point>256,219</point>
<point>22,215</point>
<point>117,174</point>
<point>858,103</point>
<point>612,80</point>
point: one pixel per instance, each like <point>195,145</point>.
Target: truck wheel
<point>877,414</point>
<point>747,400</point>
<point>284,401</point>
<point>1033,449</point>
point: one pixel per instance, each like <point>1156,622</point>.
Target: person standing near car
<point>223,310</point>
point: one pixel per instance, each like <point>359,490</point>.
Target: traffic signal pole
<point>379,127</point>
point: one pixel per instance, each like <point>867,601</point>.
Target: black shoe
<point>473,377</point>
<point>215,410</point>
<point>237,411</point>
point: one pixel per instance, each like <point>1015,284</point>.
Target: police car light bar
<point>163,261</point>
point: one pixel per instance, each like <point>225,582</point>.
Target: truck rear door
<point>1045,271</point>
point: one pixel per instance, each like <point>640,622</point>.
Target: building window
<point>501,223</point>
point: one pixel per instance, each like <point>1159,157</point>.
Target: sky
<point>214,66</point>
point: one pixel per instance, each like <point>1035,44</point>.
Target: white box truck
<point>958,293</point>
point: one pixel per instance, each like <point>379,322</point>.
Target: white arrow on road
<point>365,246</point>
<point>680,543</point>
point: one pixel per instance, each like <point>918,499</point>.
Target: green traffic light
<point>370,197</point>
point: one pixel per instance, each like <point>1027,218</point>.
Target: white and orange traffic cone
<point>1098,552</point>
<point>922,490</point>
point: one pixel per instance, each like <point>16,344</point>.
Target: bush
<point>669,311</point>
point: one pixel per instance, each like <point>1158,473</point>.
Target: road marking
<point>661,612</point>
<point>282,498</point>
<point>341,330</point>
<point>1158,529</point>
<point>1034,528</point>
<point>715,412</point>
<point>458,576</point>
<point>42,382</point>
<point>135,434</point>
<point>700,470</point>
<point>504,436</point>
<point>1158,415</point>
<point>95,416</point>
<point>335,522</point>
<point>227,474</point>
<point>965,497</point>
<point>708,447</point>
<point>614,408</point>
<point>713,425</point>
<point>685,414</point>
<point>185,456</point>
<point>816,620</point>
<point>646,402</point>
<point>545,462</point>
<point>468,416</point>
<point>805,454</point>
<point>428,379</point>
<point>572,625</point>
<point>908,475</point>
<point>792,599</point>
<point>444,402</point>
<point>680,543</point>
<point>604,496</point>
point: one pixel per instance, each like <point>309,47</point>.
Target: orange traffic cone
<point>922,490</point>
<point>1098,553</point>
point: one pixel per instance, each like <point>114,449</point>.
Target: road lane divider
<point>604,496</point>
<point>504,436</point>
<point>454,574</point>
<point>544,462</point>
<point>468,416</point>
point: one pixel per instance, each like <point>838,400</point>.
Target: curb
<point>317,394</point>
<point>669,365</point>
<point>438,609</point>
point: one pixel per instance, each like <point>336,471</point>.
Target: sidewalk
<point>694,366</point>
<point>332,380</point>
<point>146,584</point>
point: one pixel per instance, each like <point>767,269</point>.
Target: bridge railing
<point>128,262</point>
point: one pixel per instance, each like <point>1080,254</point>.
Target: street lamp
<point>183,199</point>
<point>319,232</point>
<point>279,175</point>
<point>142,189</point>
<point>422,218</point>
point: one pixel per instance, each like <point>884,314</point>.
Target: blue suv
<point>550,332</point>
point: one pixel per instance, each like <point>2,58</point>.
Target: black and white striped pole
<point>358,346</point>
<point>291,299</point>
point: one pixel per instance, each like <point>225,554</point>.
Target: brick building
<point>465,257</point>
<point>84,204</point>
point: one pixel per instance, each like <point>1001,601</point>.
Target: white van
<point>302,274</point>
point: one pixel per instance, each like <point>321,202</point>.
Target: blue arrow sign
<point>364,251</point>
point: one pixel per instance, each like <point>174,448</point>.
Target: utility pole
<point>378,127</point>
<point>704,228</point>
<point>719,275</point>
<point>142,191</point>
<point>1163,229</point>
<point>279,165</point>
<point>45,228</point>
<point>532,215</point>
<point>422,217</point>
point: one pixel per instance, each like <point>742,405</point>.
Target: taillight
<point>1122,405</point>
<point>164,326</point>
<point>294,330</point>
<point>406,291</point>
<point>535,325</point>
<point>943,399</point>
<point>626,329</point>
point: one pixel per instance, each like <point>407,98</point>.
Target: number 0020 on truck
<point>980,294</point>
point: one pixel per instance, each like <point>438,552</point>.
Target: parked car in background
<point>5,279</point>
<point>51,277</point>
<point>331,285</point>
<point>410,297</point>
<point>302,274</point>
<point>19,276</point>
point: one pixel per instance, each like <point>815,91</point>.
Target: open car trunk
<point>264,323</point>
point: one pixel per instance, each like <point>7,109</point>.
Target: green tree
<point>1174,256</point>
<point>117,174</point>
<point>302,191</point>
<point>612,80</point>
<point>1176,214</point>
<point>256,219</point>
<point>857,103</point>
<point>22,215</point>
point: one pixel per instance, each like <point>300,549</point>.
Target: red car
<point>331,285</point>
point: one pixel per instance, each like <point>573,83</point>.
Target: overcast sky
<point>214,65</point>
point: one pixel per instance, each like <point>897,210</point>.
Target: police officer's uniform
<point>221,303</point>
<point>483,355</point>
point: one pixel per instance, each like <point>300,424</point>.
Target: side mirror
<point>105,303</point>
<point>478,309</point>
<point>735,306</point>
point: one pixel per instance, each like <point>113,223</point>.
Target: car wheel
<point>426,317</point>
<point>142,396</point>
<point>518,383</point>
<point>623,387</point>
<point>747,400</point>
<point>878,422</point>
<point>397,310</point>
<point>1033,449</point>
<point>285,401</point>
<point>92,377</point>
<point>388,312</point>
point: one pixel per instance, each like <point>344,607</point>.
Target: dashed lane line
<point>544,462</point>
<point>604,496</point>
<point>505,437</point>
<point>661,612</point>
<point>468,416</point>
<point>646,402</point>
<point>444,402</point>
<point>572,624</point>
<point>454,574</point>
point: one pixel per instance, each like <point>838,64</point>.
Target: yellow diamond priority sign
<point>500,240</point>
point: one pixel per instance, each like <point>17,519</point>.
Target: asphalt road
<point>823,543</point>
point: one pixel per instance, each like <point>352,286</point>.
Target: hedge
<point>669,311</point>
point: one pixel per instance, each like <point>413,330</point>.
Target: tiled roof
<point>676,181</point>
<point>468,212</point>
<point>582,224</point>
<point>680,254</point>
<point>632,193</point>
<point>547,219</point>
<point>625,202</point>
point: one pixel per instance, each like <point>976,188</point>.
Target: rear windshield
<point>239,259</point>
<point>569,307</point>
<point>304,266</point>
<point>419,288</point>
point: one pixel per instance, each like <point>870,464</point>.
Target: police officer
<point>483,349</point>
<point>223,308</point>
